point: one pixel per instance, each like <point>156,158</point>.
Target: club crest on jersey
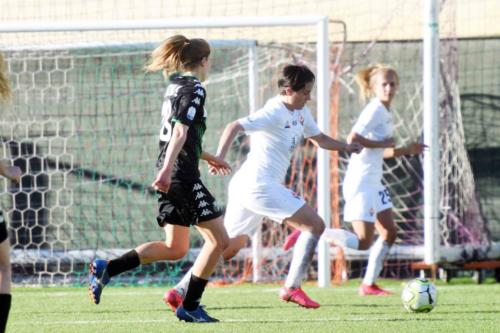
<point>191,113</point>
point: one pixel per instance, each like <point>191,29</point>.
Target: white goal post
<point>431,131</point>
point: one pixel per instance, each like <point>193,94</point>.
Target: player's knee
<point>364,243</point>
<point>224,242</point>
<point>219,244</point>
<point>389,235</point>
<point>319,228</point>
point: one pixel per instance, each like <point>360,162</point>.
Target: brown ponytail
<point>365,78</point>
<point>5,91</point>
<point>178,53</point>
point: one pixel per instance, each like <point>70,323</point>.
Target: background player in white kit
<point>368,204</point>
<point>257,189</point>
<point>13,173</point>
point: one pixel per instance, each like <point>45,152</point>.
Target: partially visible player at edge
<point>13,173</point>
<point>257,189</point>
<point>368,204</point>
<point>183,200</point>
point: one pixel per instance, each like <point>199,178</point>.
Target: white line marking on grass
<point>151,321</point>
<point>88,322</point>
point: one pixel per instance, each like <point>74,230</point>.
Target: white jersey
<point>374,123</point>
<point>274,133</point>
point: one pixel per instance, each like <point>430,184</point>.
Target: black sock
<point>193,295</point>
<point>5,300</point>
<point>126,262</point>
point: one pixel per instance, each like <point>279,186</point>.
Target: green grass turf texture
<point>462,307</point>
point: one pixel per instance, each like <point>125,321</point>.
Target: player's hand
<point>13,173</point>
<point>416,148</point>
<point>162,181</point>
<point>354,147</point>
<point>217,166</point>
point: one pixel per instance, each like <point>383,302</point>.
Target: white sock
<point>378,252</point>
<point>182,285</point>
<point>302,257</point>
<point>342,238</point>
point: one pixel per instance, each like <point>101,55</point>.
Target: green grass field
<point>462,307</point>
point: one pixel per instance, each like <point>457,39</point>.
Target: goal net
<point>83,127</point>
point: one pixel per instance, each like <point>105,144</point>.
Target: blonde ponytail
<point>177,53</point>
<point>5,92</point>
<point>364,78</point>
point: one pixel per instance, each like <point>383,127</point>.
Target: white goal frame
<point>322,89</point>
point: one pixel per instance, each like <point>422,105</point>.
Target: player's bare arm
<point>326,142</point>
<point>163,178</point>
<point>355,137</point>
<point>414,148</point>
<point>230,132</point>
<point>216,165</point>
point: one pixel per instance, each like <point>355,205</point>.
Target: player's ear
<point>288,91</point>
<point>204,62</point>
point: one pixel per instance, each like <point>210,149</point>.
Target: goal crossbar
<point>184,23</point>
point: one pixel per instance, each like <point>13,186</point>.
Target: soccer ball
<point>419,295</point>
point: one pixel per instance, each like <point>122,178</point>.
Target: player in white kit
<point>368,204</point>
<point>257,190</point>
<point>13,173</point>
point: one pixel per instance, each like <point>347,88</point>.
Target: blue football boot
<point>98,278</point>
<point>199,315</point>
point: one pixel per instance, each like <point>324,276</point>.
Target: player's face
<point>298,99</point>
<point>385,87</point>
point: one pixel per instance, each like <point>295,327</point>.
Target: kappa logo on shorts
<point>206,212</point>
<point>169,209</point>
<point>202,204</point>
<point>199,195</point>
<point>197,187</point>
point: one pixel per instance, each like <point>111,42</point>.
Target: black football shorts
<point>186,204</point>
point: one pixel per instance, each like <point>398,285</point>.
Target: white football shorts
<point>364,202</point>
<point>247,205</point>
